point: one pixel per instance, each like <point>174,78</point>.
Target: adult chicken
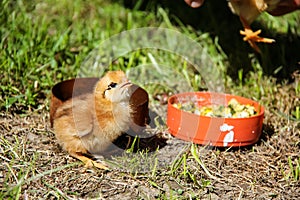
<point>248,11</point>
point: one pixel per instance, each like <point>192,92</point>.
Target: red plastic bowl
<point>214,131</point>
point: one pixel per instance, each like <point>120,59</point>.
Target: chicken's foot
<point>253,37</point>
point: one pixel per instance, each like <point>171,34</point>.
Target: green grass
<point>42,46</point>
<point>45,42</point>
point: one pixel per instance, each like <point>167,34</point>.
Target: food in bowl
<point>234,109</point>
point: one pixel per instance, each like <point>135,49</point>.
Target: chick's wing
<point>75,117</point>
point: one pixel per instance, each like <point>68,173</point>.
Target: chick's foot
<point>89,163</point>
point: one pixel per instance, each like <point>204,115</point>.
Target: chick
<point>248,11</point>
<point>86,125</point>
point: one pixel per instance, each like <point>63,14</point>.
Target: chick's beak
<point>123,92</point>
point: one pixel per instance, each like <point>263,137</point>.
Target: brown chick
<point>88,124</point>
<point>248,11</point>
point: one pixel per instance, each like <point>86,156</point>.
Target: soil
<point>265,170</point>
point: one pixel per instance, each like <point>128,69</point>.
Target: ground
<point>34,163</point>
<point>46,42</point>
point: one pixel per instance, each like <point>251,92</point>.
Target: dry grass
<point>33,166</point>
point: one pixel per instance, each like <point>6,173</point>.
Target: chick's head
<point>113,87</point>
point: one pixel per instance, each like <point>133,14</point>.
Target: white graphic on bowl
<point>229,136</point>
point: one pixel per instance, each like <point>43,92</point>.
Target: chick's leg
<point>65,128</point>
<point>88,161</point>
<point>253,37</point>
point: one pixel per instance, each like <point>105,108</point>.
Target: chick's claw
<point>89,163</point>
<point>96,164</point>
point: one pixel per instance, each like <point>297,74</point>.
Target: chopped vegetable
<point>233,110</point>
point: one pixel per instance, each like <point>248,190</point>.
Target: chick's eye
<point>111,85</point>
